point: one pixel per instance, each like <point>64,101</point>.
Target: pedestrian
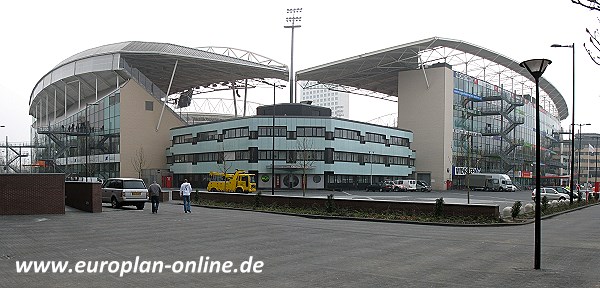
<point>185,191</point>
<point>154,191</point>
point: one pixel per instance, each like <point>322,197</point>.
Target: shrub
<point>329,205</point>
<point>544,203</point>
<point>439,207</point>
<point>516,209</point>
<point>257,200</point>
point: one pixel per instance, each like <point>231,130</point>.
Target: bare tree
<point>224,158</point>
<point>139,161</point>
<point>593,47</point>
<point>305,155</point>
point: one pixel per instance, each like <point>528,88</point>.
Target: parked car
<point>423,186</point>
<point>378,187</point>
<point>387,186</point>
<point>125,192</point>
<point>399,186</point>
<point>564,190</point>
<point>550,193</point>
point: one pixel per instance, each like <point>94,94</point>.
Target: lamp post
<point>572,184</point>
<point>87,133</point>
<point>579,154</point>
<point>536,68</point>
<point>371,160</point>
<point>275,86</point>
<point>293,25</point>
<point>6,149</point>
<point>596,166</point>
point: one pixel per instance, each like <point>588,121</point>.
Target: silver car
<point>551,194</point>
<point>125,192</point>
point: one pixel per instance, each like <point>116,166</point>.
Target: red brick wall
<point>84,196</point>
<point>365,205</point>
<point>22,194</point>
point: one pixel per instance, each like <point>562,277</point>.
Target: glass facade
<point>93,131</point>
<point>494,132</point>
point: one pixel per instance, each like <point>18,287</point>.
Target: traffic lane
<point>502,199</point>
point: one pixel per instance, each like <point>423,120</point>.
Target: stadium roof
<point>375,74</point>
<point>102,68</point>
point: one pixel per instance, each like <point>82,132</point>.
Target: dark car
<point>423,186</point>
<point>380,187</point>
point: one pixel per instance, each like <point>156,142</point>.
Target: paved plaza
<point>300,252</point>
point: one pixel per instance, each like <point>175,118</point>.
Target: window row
<point>281,131</point>
<point>252,155</point>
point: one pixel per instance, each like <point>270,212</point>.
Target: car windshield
<point>133,184</point>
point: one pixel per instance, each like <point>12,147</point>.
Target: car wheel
<point>140,206</point>
<point>239,190</point>
<point>114,203</point>
<point>562,198</point>
<point>396,189</point>
<point>213,190</point>
<point>500,189</point>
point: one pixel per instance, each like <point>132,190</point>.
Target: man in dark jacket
<point>154,191</point>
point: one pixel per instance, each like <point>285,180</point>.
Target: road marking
<point>40,219</point>
<point>347,193</point>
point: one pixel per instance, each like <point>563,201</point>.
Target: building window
<point>310,131</point>
<point>266,131</point>
<point>346,134</point>
<point>149,106</point>
<point>207,136</point>
<point>235,133</point>
<point>180,139</point>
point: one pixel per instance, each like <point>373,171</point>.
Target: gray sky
<point>37,35</point>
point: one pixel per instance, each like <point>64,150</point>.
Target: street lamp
<point>536,68</point>
<point>275,86</point>
<point>293,21</point>
<point>87,133</point>
<point>572,46</point>
<point>371,160</point>
<point>6,149</point>
<point>579,154</point>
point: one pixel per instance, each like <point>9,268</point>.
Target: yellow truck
<point>239,182</point>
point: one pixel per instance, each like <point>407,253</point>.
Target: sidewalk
<point>301,252</point>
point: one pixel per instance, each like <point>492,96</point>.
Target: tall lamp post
<point>579,154</point>
<point>6,149</point>
<point>572,184</point>
<point>371,160</point>
<point>275,86</point>
<point>293,19</point>
<point>87,134</point>
<point>536,68</point>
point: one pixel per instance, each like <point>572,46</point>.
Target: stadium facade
<point>462,107</point>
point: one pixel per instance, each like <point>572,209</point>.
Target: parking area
<point>300,252</point>
<point>502,199</point>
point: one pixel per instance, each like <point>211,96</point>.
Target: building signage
<point>526,174</point>
<point>459,171</point>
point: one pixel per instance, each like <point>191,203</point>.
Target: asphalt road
<point>502,199</point>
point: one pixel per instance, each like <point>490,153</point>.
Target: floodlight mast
<point>293,25</point>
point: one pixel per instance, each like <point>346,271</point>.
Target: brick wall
<point>492,211</point>
<point>22,194</point>
<point>84,196</point>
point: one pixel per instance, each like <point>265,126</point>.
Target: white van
<point>411,185</point>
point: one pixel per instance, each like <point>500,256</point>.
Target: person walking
<point>185,191</point>
<point>154,191</point>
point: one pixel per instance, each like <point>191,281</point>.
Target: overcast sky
<point>37,36</point>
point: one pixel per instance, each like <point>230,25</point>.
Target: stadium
<point>117,109</point>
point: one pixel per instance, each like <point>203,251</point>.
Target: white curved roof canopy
<point>102,68</point>
<point>378,71</point>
